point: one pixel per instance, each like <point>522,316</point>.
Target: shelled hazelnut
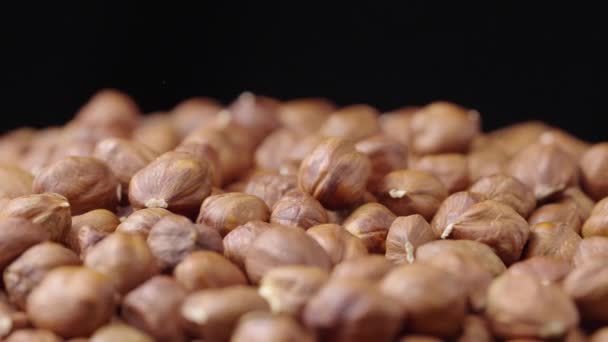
<point>570,144</point>
<point>339,244</point>
<point>575,196</point>
<point>204,153</point>
<point>597,223</point>
<point>396,124</point>
<point>17,235</point>
<point>260,326</point>
<point>564,213</point>
<point>370,268</point>
<point>274,149</point>
<point>29,335</point>
<point>405,235</point>
<point>194,112</point>
<point>141,221</point>
<point>205,269</point>
<point>385,154</point>
<point>591,249</point>
<point>90,228</point>
<point>257,114</point>
<point>587,284</point>
<point>452,207</point>
<point>451,169</point>
<point>119,332</point>
<point>269,187</point>
<point>237,242</point>
<point>478,251</point>
<point>370,223</point>
<point>297,208</point>
<point>514,138</point>
<point>486,161</point>
<point>594,166</point>
<point>475,329</point>
<point>354,122</point>
<point>227,211</point>
<point>507,190</point>
<point>109,109</point>
<point>548,269</point>
<point>552,239</point>
<point>157,132</point>
<point>306,115</point>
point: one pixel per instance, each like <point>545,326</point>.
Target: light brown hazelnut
<point>485,162</point>
<point>514,138</point>
<point>283,247</point>
<point>119,332</point>
<point>591,249</point>
<point>549,269</point>
<point>552,239</point>
<point>141,221</point>
<point>475,329</point>
<point>71,301</point>
<point>209,239</point>
<point>227,211</point>
<point>11,320</point>
<point>30,335</point>
<point>237,242</point>
<point>352,311</point>
<point>507,190</point>
<point>405,235</point>
<point>451,169</point>
<point>49,210</point>
<point>370,268</point>
<point>269,187</point>
<point>420,338</point>
<point>15,144</point>
<point>600,335</point>
<point>259,326</point>
<point>594,166</point>
<point>597,223</point>
<point>478,251</point>
<point>174,181</point>
<point>303,148</point>
<point>27,271</point>
<point>557,213</point>
<point>434,300</point>
<point>275,148</point>
<point>109,109</point>
<point>297,208</point>
<point>600,206</point>
<point>451,209</point>
<point>370,223</point>
<point>353,122</point>
<point>42,149</point>
<point>339,244</point>
<point>287,289</point>
<point>157,132</point>
<point>87,183</point>
<point>213,314</point>
<point>17,235</point>
<point>154,308</point>
<point>205,270</point>
<point>90,228</point>
<point>408,192</point>
<point>396,124</point>
<point>205,153</point>
<point>574,195</point>
<point>257,114</point>
<point>193,113</point>
<point>570,144</point>
<point>101,219</point>
<point>386,155</point>
<point>306,115</point>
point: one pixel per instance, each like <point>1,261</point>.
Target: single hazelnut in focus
<point>451,169</point>
<point>141,221</point>
<point>370,223</point>
<point>385,154</point>
<point>237,242</point>
<point>260,326</point>
<point>87,183</point>
<point>71,301</point>
<point>506,190</point>
<point>227,211</point>
<point>119,332</point>
<point>408,192</point>
<point>557,213</point>
<point>204,270</point>
<point>29,335</point>
<point>17,235</point>
<point>452,207</point>
<point>275,148</point>
<point>396,124</point>
<point>405,235</point>
<point>353,122</point>
<point>548,269</point>
<point>339,244</point>
<point>475,329</point>
<point>478,251</point>
<point>552,239</point>
<point>335,173</point>
<point>15,181</point>
<point>269,187</point>
<point>157,132</point>
<point>194,112</point>
<point>370,268</point>
<point>487,161</point>
<point>297,208</point>
<point>306,115</point>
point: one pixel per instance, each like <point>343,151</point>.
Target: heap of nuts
<point>299,221</point>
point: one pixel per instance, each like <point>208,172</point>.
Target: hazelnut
<point>352,311</point>
<point>478,251</point>
<point>71,301</point>
<point>339,244</point>
<point>282,247</point>
<point>269,187</point>
<point>14,145</point>
<point>385,154</point>
<point>154,306</point>
<point>27,271</point>
<point>396,124</point>
<point>175,181</point>
<point>213,314</point>
<point>237,242</point>
<point>575,196</point>
<point>549,269</point>
<point>205,270</point>
<point>600,206</point>
<point>274,149</point>
<point>594,166</point>
<point>600,335</point>
<point>591,249</point>
<point>335,173</point>
<point>552,239</point>
<point>11,320</point>
<point>49,210</point>
<point>485,162</point>
<point>370,223</point>
<point>42,149</point>
<point>305,116</point>
<point>157,132</point>
<point>206,154</point>
<point>475,329</point>
<point>597,223</point>
<point>451,209</point>
<point>17,235</point>
<point>353,122</point>
<point>259,326</point>
<point>141,221</point>
<point>434,300</point>
<point>287,289</point>
<point>258,114</point>
<point>514,138</point>
<point>370,268</point>
<point>303,148</point>
<point>30,335</point>
<point>570,144</point>
<point>420,338</point>
<point>100,219</point>
<point>507,190</point>
<point>408,192</point>
<point>297,208</point>
<point>451,169</point>
<point>520,306</point>
<point>443,127</point>
<point>192,113</point>
<point>109,109</point>
<point>557,213</point>
<point>87,183</point>
<point>119,332</point>
<point>209,239</point>
<point>405,235</point>
<point>227,211</point>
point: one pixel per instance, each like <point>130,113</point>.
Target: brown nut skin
<point>283,247</point>
<point>335,173</point>
<point>594,167</point>
<point>16,181</point>
<point>452,207</point>
<point>443,127</point>
<point>257,114</point>
<point>287,289</point>
<point>420,338</point>
<point>408,192</point>
<point>520,306</point>
<point>109,109</point>
<point>405,235</point>
<point>396,124</point>
<point>495,224</point>
<point>434,300</point>
<point>587,285</point>
<point>596,224</point>
<point>385,154</point>
<point>87,183</point>
<point>485,162</point>
<point>71,301</point>
<point>451,169</point>
<point>259,326</point>
<point>548,269</point>
<point>119,332</point>
<point>570,144</point>
<point>227,211</point>
<point>205,270</point>
<point>31,335</point>
<point>157,132</point>
<point>600,335</point>
<point>478,251</point>
<point>297,208</point>
<point>123,258</point>
<point>205,153</point>
<point>16,236</point>
<point>370,268</point>
<point>237,242</point>
<point>575,196</point>
<point>154,306</point>
<point>49,210</point>
<point>100,219</point>
<point>516,137</point>
<point>274,149</point>
<point>305,115</point>
<point>141,221</point>
<point>557,213</point>
<point>352,311</point>
<point>10,319</point>
<point>507,190</point>
<point>475,329</point>
<point>269,187</point>
<point>591,249</point>
<point>339,244</point>
<point>552,239</point>
<point>370,223</point>
<point>194,112</point>
<point>27,271</point>
<point>171,239</point>
<point>213,314</point>
<point>90,228</point>
<point>354,122</point>
<point>174,181</point>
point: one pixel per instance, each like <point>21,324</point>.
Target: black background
<point>510,61</point>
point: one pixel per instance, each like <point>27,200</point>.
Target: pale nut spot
<point>473,115</point>
<point>447,231</point>
<point>547,138</point>
<point>552,329</point>
<point>284,170</point>
<point>545,282</point>
<point>543,191</point>
<point>64,204</point>
<point>224,117</point>
<point>396,193</point>
<point>6,325</point>
<point>266,292</point>
<point>195,314</point>
<point>409,252</point>
<point>156,203</point>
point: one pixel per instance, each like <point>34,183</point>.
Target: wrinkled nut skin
<point>369,268</point>
<point>27,271</point>
<point>335,173</point>
<point>90,228</point>
<point>454,206</point>
<point>451,169</point>
<point>154,306</point>
<point>16,181</point>
<point>339,244</point>
<point>171,239</point>
<point>591,249</point>
<point>227,211</point>
<point>370,223</point>
<point>552,239</point>
<point>408,192</point>
<point>283,247</point>
<point>270,187</point>
<point>86,182</point>
<point>594,167</point>
<point>287,289</point>
<point>30,335</point>
<point>520,306</point>
<point>564,213</point>
<point>263,326</point>
<point>16,236</point>
<point>478,251</point>
<point>71,301</point>
<point>141,221</point>
<point>405,235</point>
<point>297,208</point>
<point>506,190</point>
<point>575,196</point>
<point>119,332</point>
<point>274,149</point>
<point>123,258</point>
<point>204,270</point>
<point>548,269</point>
<point>237,242</point>
<point>587,285</point>
<point>352,311</point>
<point>385,154</point>
<point>213,314</point>
<point>353,122</point>
<point>205,153</point>
<point>49,210</point>
<point>596,224</point>
<point>305,116</point>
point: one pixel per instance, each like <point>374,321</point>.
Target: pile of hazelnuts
<point>268,221</point>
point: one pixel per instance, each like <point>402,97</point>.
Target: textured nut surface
<point>405,235</point>
<point>552,239</point>
<point>205,153</point>
<point>141,221</point>
<point>124,158</point>
<point>269,187</point>
<point>370,223</point>
<point>263,326</point>
<point>119,332</point>
<point>339,244</point>
<point>587,285</point>
<point>451,209</point>
<point>507,190</point>
<point>297,208</point>
<point>353,122</point>
<point>385,154</point>
<point>237,242</point>
<point>478,251</point>
<point>17,235</point>
<point>369,268</point>
<point>548,269</point>
<point>451,169</point>
<point>205,269</point>
<point>227,211</point>
<point>171,239</point>
<point>591,249</point>
<point>575,196</point>
<point>562,213</point>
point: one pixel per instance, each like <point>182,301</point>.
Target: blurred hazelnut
<point>297,208</point>
<point>552,239</point>
<point>175,181</point>
<point>27,271</point>
<point>597,223</point>
<point>269,187</point>
<point>213,314</point>
<point>227,211</point>
<point>478,251</point>
<point>600,335</point>
<point>451,169</point>
<point>283,247</point>
<point>207,154</point>
<point>475,329</point>
<point>396,124</point>
<point>42,148</point>
<point>109,109</point>
<point>352,311</point>
<point>408,192</point>
<point>405,235</point>
<point>209,239</point>
<point>258,114</point>
<point>370,268</point>
<point>17,235</point>
<point>507,190</point>
<point>101,219</point>
<point>557,213</point>
<point>353,122</point>
<point>594,166</point>
<point>192,113</point>
<point>587,284</point>
<point>420,338</point>
<point>259,326</point>
<point>204,270</point>
<point>591,249</point>
<point>87,183</point>
<point>15,181</point>
<point>71,301</point>
<point>11,320</point>
<point>337,216</point>
<point>141,221</point>
<point>171,239</point>
<point>49,210</point>
<point>303,148</point>
<point>119,332</point>
<point>15,144</point>
<point>386,155</point>
<point>516,137</point>
<point>305,116</point>
<point>451,209</point>
<point>548,269</point>
<point>570,144</point>
<point>575,196</point>
<point>370,223</point>
<point>485,162</point>
<point>339,244</point>
<point>600,206</point>
<point>237,242</point>
<point>33,335</point>
<point>275,148</point>
<point>157,132</point>
<point>154,306</point>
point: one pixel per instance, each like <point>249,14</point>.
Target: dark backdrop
<point>511,62</point>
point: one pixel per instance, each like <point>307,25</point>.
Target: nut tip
<point>409,252</point>
<point>447,231</point>
<point>552,329</point>
<point>396,193</point>
<point>156,203</point>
